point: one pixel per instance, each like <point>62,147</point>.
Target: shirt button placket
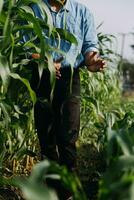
<point>57,20</point>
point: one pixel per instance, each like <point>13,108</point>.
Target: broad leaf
<point>4,70</point>
<point>35,191</point>
<point>67,36</point>
<point>1,5</point>
<point>27,84</point>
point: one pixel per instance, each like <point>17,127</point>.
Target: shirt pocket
<point>73,26</point>
<point>72,50</point>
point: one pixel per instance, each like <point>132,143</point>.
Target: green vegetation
<point>106,144</point>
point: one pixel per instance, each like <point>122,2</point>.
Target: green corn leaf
<point>2,18</point>
<point>125,143</point>
<point>67,36</point>
<point>7,26</point>
<point>124,163</point>
<point>22,151</point>
<point>27,9</point>
<point>4,70</point>
<point>30,18</point>
<point>5,110</point>
<point>39,170</point>
<point>2,148</point>
<point>46,12</point>
<point>1,5</point>
<point>56,50</point>
<point>25,2</point>
<point>11,52</point>
<point>52,72</point>
<point>32,45</point>
<point>25,27</point>
<point>132,191</point>
<point>38,31</point>
<point>35,191</point>
<point>27,84</point>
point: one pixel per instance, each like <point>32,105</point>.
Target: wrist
<point>90,58</point>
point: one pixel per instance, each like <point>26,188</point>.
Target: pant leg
<point>69,118</point>
<point>44,116</point>
<point>44,123</point>
<point>69,132</point>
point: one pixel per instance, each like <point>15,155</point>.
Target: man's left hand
<point>94,63</point>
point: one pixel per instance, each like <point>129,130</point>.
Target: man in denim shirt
<point>58,123</point>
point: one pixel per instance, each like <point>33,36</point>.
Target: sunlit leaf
<point>35,191</point>
<point>27,9</point>
<point>45,11</point>
<point>52,72</point>
<point>1,5</point>
<point>67,36</point>
<point>4,70</point>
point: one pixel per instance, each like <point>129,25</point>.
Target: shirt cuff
<point>90,49</point>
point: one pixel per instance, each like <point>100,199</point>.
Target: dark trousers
<point>58,121</point>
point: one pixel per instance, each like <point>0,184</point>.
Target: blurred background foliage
<point>106,142</point>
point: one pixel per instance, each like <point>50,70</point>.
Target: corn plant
<point>37,185</point>
<point>17,20</point>
<point>100,92</point>
<point>100,108</point>
<point>118,179</point>
<point>17,132</point>
<point>104,123</point>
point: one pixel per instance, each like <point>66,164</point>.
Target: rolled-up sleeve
<point>90,41</point>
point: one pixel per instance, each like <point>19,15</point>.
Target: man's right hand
<point>57,64</point>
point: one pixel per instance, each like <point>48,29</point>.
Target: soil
<point>10,194</point>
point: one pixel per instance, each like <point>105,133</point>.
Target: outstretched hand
<point>94,63</point>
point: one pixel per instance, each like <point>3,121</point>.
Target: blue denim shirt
<point>78,20</point>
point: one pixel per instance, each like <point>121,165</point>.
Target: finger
<point>102,68</point>
<point>58,73</point>
<point>104,62</point>
<point>58,76</point>
<point>100,59</point>
<point>57,65</point>
<point>100,62</point>
<point>99,66</point>
<point>103,65</point>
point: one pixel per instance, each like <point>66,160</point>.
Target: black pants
<point>58,122</point>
